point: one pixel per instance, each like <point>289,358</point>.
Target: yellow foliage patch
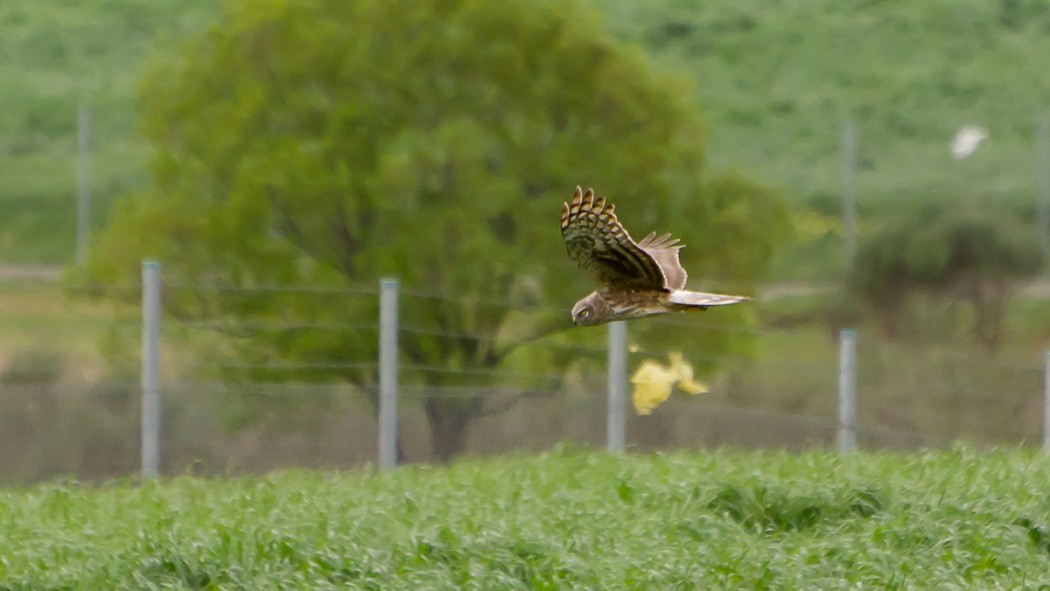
<point>654,381</point>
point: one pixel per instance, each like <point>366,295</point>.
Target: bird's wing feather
<point>600,245</point>
<point>664,250</point>
<point>704,300</point>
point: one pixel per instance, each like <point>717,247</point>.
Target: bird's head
<point>588,311</point>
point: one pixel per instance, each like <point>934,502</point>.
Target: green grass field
<point>567,520</point>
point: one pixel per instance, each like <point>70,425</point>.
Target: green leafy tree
<point>957,251</point>
<point>330,143</point>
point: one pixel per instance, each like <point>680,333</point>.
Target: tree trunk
<point>449,420</point>
<point>989,302</point>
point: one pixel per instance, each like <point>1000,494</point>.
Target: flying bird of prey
<point>635,279</point>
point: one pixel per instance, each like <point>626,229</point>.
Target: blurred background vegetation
<point>233,133</point>
<point>774,83</point>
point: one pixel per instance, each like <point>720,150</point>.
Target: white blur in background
<point>967,140</point>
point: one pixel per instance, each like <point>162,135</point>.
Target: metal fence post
<point>83,181</point>
<point>616,427</point>
<point>388,325</point>
<point>1046,403</point>
<point>1042,178</point>
<point>847,390</point>
<point>849,193</point>
<point>150,369</point>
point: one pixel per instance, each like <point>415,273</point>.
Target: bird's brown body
<point>635,279</point>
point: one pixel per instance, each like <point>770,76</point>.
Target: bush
<point>32,366</point>
<point>957,251</point>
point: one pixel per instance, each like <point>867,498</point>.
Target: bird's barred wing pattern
<point>602,247</point>
<point>664,250</point>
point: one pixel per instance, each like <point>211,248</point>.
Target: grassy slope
<point>775,79</point>
<point>728,520</point>
<point>56,55</point>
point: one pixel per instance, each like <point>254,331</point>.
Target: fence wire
<point>60,419</point>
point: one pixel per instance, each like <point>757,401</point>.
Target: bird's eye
<point>584,312</point>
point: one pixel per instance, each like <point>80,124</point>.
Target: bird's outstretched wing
<point>664,250</point>
<point>601,246</point>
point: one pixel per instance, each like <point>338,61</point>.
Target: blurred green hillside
<point>775,81</point>
<point>55,56</point>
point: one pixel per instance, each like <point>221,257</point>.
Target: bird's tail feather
<point>703,300</point>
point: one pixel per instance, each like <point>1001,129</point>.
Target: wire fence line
<point>220,414</point>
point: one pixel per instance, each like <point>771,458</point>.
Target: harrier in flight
<point>635,279</point>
